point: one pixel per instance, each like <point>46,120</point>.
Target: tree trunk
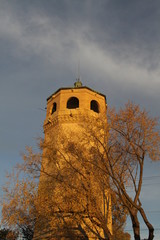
<point>148,224</point>
<point>135,225</point>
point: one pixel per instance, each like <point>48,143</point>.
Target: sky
<point>116,44</point>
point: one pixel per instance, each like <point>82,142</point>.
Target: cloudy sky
<point>116,42</point>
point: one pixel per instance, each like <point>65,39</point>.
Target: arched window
<point>54,108</point>
<point>94,106</point>
<point>72,103</point>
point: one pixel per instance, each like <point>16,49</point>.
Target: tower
<point>67,110</point>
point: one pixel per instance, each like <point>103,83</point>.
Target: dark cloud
<point>125,29</point>
<point>113,39</point>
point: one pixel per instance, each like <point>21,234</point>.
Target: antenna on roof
<point>78,71</point>
<point>78,83</point>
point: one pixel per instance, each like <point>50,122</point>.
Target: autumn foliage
<point>80,174</point>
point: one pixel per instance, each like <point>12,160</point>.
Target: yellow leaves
<point>18,201</point>
<point>135,131</point>
<point>79,166</point>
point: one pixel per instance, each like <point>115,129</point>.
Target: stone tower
<point>67,108</point>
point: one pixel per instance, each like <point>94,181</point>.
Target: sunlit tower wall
<point>65,111</point>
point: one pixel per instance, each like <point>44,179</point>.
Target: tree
<point>133,138</point>
<point>105,158</point>
<point>19,212</point>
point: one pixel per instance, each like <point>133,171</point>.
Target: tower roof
<point>77,87</point>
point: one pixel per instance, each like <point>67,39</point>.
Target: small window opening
<point>54,108</point>
<point>94,106</point>
<point>72,103</point>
